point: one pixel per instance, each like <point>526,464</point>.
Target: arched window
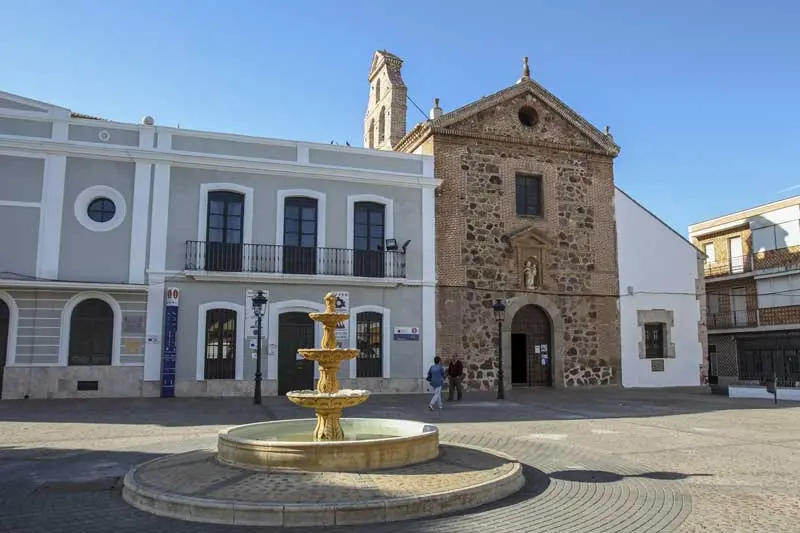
<point>220,360</point>
<point>91,333</point>
<point>371,133</point>
<point>382,125</point>
<point>369,341</point>
<point>377,91</point>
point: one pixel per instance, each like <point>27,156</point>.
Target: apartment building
<point>130,254</point>
<point>752,272</point>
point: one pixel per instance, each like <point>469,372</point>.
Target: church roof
<point>603,139</point>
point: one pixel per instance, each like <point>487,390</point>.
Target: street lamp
<point>499,314</point>
<point>259,306</point>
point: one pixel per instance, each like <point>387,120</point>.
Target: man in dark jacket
<point>455,373</point>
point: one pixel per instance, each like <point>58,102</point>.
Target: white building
<point>662,328</point>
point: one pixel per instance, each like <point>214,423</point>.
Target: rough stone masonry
<point>483,244</point>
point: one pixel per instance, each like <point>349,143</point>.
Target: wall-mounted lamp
<point>391,245</point>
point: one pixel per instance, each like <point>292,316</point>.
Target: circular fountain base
<point>197,487</point>
<point>370,444</point>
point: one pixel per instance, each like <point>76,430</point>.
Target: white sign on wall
<point>342,306</point>
<point>173,296</point>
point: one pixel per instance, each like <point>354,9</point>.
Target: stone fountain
<point>328,401</point>
<point>377,470</point>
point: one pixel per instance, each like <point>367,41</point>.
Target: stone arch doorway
<point>532,348</point>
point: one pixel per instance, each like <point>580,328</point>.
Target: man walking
<point>436,380</point>
<point>455,373</point>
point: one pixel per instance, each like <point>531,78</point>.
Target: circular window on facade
<point>101,210</point>
<point>528,116</point>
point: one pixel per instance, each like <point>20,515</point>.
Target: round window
<point>528,116</point>
<point>101,210</point>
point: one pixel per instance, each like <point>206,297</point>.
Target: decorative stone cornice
<point>605,142</point>
<point>412,139</point>
<point>517,140</point>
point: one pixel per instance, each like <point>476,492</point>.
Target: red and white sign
<point>173,296</point>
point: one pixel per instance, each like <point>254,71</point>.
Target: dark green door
<point>295,331</point>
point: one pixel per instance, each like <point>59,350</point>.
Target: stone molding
<point>551,308</point>
<point>656,316</point>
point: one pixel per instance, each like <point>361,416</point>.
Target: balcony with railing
<point>302,260</point>
<point>781,258</point>
<point>746,318</point>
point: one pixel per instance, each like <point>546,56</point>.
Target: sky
<point>702,96</point>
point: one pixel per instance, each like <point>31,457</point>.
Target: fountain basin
<point>328,401</point>
<point>370,444</point>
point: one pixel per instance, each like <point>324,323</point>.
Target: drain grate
<point>90,485</point>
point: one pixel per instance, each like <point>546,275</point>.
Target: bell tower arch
<point>385,121</point>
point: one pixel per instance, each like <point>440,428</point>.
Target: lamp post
<point>499,314</point>
<point>259,305</point>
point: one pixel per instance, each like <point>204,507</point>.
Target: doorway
<point>519,359</point>
<point>532,324</point>
<point>5,319</point>
<point>295,331</point>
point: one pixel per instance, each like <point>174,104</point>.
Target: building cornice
<point>13,145</point>
<point>516,140</point>
<point>55,284</point>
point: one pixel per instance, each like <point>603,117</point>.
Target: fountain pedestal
<point>328,401</point>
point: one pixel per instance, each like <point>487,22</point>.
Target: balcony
<point>728,267</point>
<point>299,260</point>
<point>746,318</point>
<point>780,259</point>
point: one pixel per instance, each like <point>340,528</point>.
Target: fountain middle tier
<point>329,361</point>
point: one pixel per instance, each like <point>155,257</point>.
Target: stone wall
<point>478,255</point>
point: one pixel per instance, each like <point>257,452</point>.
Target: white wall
<point>654,260</point>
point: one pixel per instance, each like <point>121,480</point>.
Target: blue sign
<point>170,344</point>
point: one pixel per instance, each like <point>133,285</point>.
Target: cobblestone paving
<point>199,474</point>
<point>615,461</point>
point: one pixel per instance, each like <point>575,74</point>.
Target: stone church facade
<point>525,213</point>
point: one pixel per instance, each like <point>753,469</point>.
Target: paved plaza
<point>595,460</point>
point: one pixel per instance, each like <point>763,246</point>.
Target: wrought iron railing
<point>733,265</point>
<point>274,259</point>
<point>780,258</point>
<point>759,367</point>
<point>746,318</point>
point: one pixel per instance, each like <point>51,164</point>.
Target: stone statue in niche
<point>529,273</point>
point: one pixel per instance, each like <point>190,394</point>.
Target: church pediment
<point>527,111</point>
<point>528,237</point>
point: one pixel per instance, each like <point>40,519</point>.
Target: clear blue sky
<point>703,96</point>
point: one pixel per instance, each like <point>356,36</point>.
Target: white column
<point>159,219</point>
<point>428,277</point>
<point>140,210</point>
<point>155,328</point>
<point>50,215</point>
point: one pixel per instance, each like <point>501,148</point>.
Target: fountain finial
<point>330,303</point>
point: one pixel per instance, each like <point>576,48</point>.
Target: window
<point>654,341</point>
<point>382,125</point>
<point>529,195</point>
<point>368,239</point>
<point>300,235</point>
<point>224,231</point>
<point>369,341</point>
<point>710,253</point>
<point>371,133</point>
<point>101,210</point>
<point>713,303</point>
<point>91,333</point>
<point>220,360</point>
<point>377,91</point>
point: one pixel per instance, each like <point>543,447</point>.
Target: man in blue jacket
<point>436,379</point>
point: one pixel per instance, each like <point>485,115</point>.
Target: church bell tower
<point>385,121</point>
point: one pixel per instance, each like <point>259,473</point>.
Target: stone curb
<point>228,512</point>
